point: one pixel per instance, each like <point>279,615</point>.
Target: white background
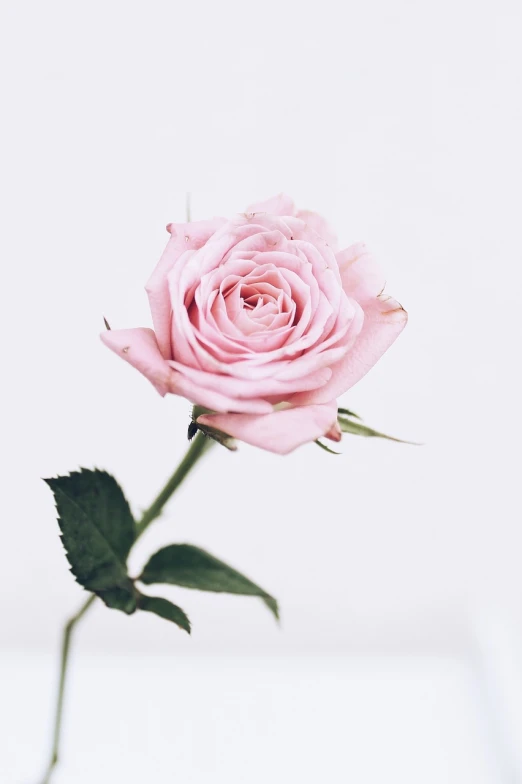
<point>401,122</point>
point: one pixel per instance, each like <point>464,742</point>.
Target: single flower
<point>263,321</point>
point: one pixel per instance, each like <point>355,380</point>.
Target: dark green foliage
<point>326,447</point>
<point>164,609</point>
<point>272,606</point>
<point>345,418</point>
<point>191,567</point>
<point>97,531</point>
<point>347,412</point>
<point>358,429</point>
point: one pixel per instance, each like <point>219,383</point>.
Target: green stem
<point>197,449</point>
<point>66,641</point>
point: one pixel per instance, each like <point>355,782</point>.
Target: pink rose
<point>262,320</point>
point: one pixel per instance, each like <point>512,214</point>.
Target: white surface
<point>402,123</point>
<point>401,720</point>
<point>497,658</point>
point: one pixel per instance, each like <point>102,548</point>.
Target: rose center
<point>257,303</point>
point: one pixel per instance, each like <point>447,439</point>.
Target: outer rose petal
<point>277,205</point>
<point>319,225</point>
<point>140,349</point>
<point>239,388</point>
<point>280,432</point>
<point>384,320</point>
<point>361,276</point>
<point>184,236</point>
<point>215,401</point>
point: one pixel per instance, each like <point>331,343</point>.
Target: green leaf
<point>191,567</point>
<point>165,609</point>
<point>272,606</point>
<point>326,448</point>
<point>358,429</point>
<point>347,412</point>
<point>97,531</point>
<point>122,597</point>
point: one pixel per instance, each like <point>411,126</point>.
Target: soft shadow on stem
<point>197,449</point>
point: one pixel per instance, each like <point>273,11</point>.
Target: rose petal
<point>140,349</point>
<point>360,274</point>
<point>277,205</point>
<point>184,236</point>
<point>234,387</point>
<point>209,398</point>
<point>280,432</point>
<point>384,320</point>
<point>319,225</point>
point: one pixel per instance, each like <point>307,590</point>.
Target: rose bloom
<point>263,321</point>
